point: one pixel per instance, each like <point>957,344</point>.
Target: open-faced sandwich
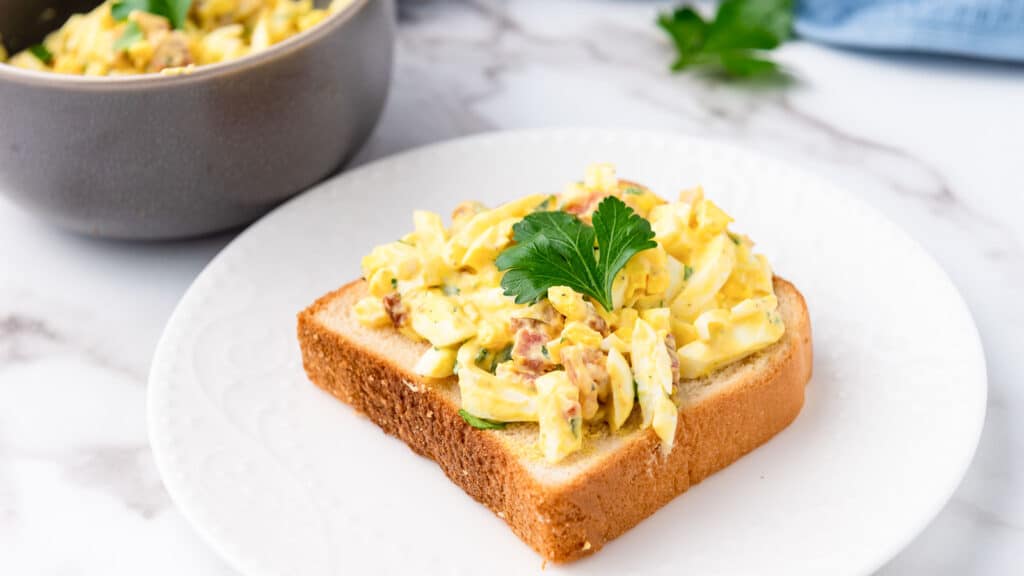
<point>572,361</point>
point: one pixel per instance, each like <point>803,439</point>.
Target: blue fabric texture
<point>980,28</point>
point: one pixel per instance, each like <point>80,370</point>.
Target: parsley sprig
<point>558,249</point>
<point>734,41</point>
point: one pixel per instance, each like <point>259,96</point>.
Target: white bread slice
<point>561,510</point>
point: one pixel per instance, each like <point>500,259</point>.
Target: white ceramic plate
<point>283,479</point>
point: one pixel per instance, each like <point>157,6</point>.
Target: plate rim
<point>884,554</point>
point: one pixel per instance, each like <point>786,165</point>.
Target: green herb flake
<point>174,10</point>
<point>480,356</point>
<point>123,8</point>
<point>480,423</point>
<point>503,355</point>
<point>546,204</point>
<point>132,34</point>
<point>394,283</point>
<point>557,249</point>
<point>574,426</point>
<point>733,42</point>
<point>41,53</point>
<point>735,239</point>
<point>544,351</point>
<point>449,290</point>
<point>687,272</point>
<point>634,191</point>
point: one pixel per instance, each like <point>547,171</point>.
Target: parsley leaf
<point>553,249</point>
<point>480,423</point>
<point>173,10</point>
<point>621,233</point>
<point>132,34</point>
<point>558,249</point>
<point>732,42</point>
<point>121,9</point>
<point>41,53</point>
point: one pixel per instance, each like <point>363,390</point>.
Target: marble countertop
<point>935,143</point>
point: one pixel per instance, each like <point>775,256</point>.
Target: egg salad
<point>571,309</point>
<point>121,37</point>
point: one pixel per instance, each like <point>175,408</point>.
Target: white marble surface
<point>934,143</point>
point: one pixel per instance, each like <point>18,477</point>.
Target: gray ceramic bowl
<point>173,156</point>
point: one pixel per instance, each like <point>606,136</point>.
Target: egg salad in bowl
<point>571,309</point>
<point>122,37</point>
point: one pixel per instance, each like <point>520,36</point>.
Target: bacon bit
<point>170,52</point>
<point>531,334</point>
<point>584,206</point>
<point>595,321</point>
<point>595,361</point>
<point>585,368</point>
<point>673,356</point>
<point>510,372</point>
<point>518,324</point>
<point>528,349</point>
<point>393,306</point>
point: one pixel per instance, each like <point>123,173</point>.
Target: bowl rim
<point>198,74</point>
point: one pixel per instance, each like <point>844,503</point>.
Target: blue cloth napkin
<point>980,28</point>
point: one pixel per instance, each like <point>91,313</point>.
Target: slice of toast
<point>562,510</point>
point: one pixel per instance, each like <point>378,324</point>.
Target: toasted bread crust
<point>575,518</point>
